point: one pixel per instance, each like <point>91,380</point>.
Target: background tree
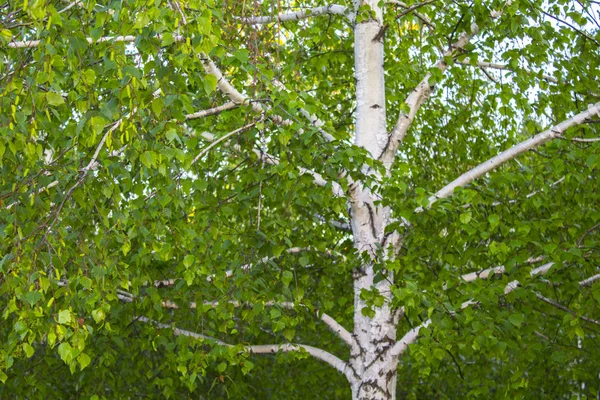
<point>187,184</point>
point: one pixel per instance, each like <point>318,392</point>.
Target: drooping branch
<point>318,179</point>
<point>586,233</point>
<point>317,353</point>
<point>84,172</point>
<point>223,138</point>
<point>513,152</point>
<point>329,321</point>
<point>332,9</point>
<point>563,308</point>
<point>40,190</point>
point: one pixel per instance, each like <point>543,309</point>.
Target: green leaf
<point>287,277</point>
<point>29,350</point>
<point>98,315</point>
<point>33,297</point>
<point>188,260</point>
<point>125,248</point>
<point>84,360</point>
<point>465,218</point>
<point>210,83</point>
<point>54,99</point>
<point>516,319</point>
<point>64,317</point>
<point>148,158</point>
<point>64,351</point>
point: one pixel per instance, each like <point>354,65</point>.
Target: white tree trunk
<point>374,367</point>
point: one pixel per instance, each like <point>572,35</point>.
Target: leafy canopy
<point>108,214</point>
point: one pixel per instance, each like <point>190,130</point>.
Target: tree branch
<point>420,16</point>
<point>331,323</point>
<point>342,226</point>
<point>513,152</point>
<point>222,138</point>
<point>590,280</point>
<point>212,111</point>
<point>583,140</point>
<point>409,338</point>
<point>317,353</point>
<point>26,44</point>
<point>332,9</point>
<point>412,335</point>
<point>272,160</point>
<point>561,307</point>
<point>83,172</point>
<point>339,330</point>
<point>486,273</point>
<point>505,68</point>
<point>416,99</point>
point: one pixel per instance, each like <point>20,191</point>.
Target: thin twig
<point>561,307</point>
<point>222,138</point>
<point>580,241</point>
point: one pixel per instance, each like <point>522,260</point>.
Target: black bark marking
<point>372,219</point>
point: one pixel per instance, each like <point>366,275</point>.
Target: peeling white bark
<point>370,88</point>
<point>332,9</point>
<point>372,363</point>
<point>212,111</point>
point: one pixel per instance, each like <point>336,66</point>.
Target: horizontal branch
<point>486,273</point>
<point>212,111</point>
<point>583,140</point>
<point>317,353</point>
<point>503,67</point>
<point>342,226</point>
<point>26,44</point>
<point>513,152</point>
<point>332,9</point>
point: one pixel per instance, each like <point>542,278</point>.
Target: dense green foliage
<point>101,196</point>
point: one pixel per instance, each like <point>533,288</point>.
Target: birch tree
<point>299,199</point>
